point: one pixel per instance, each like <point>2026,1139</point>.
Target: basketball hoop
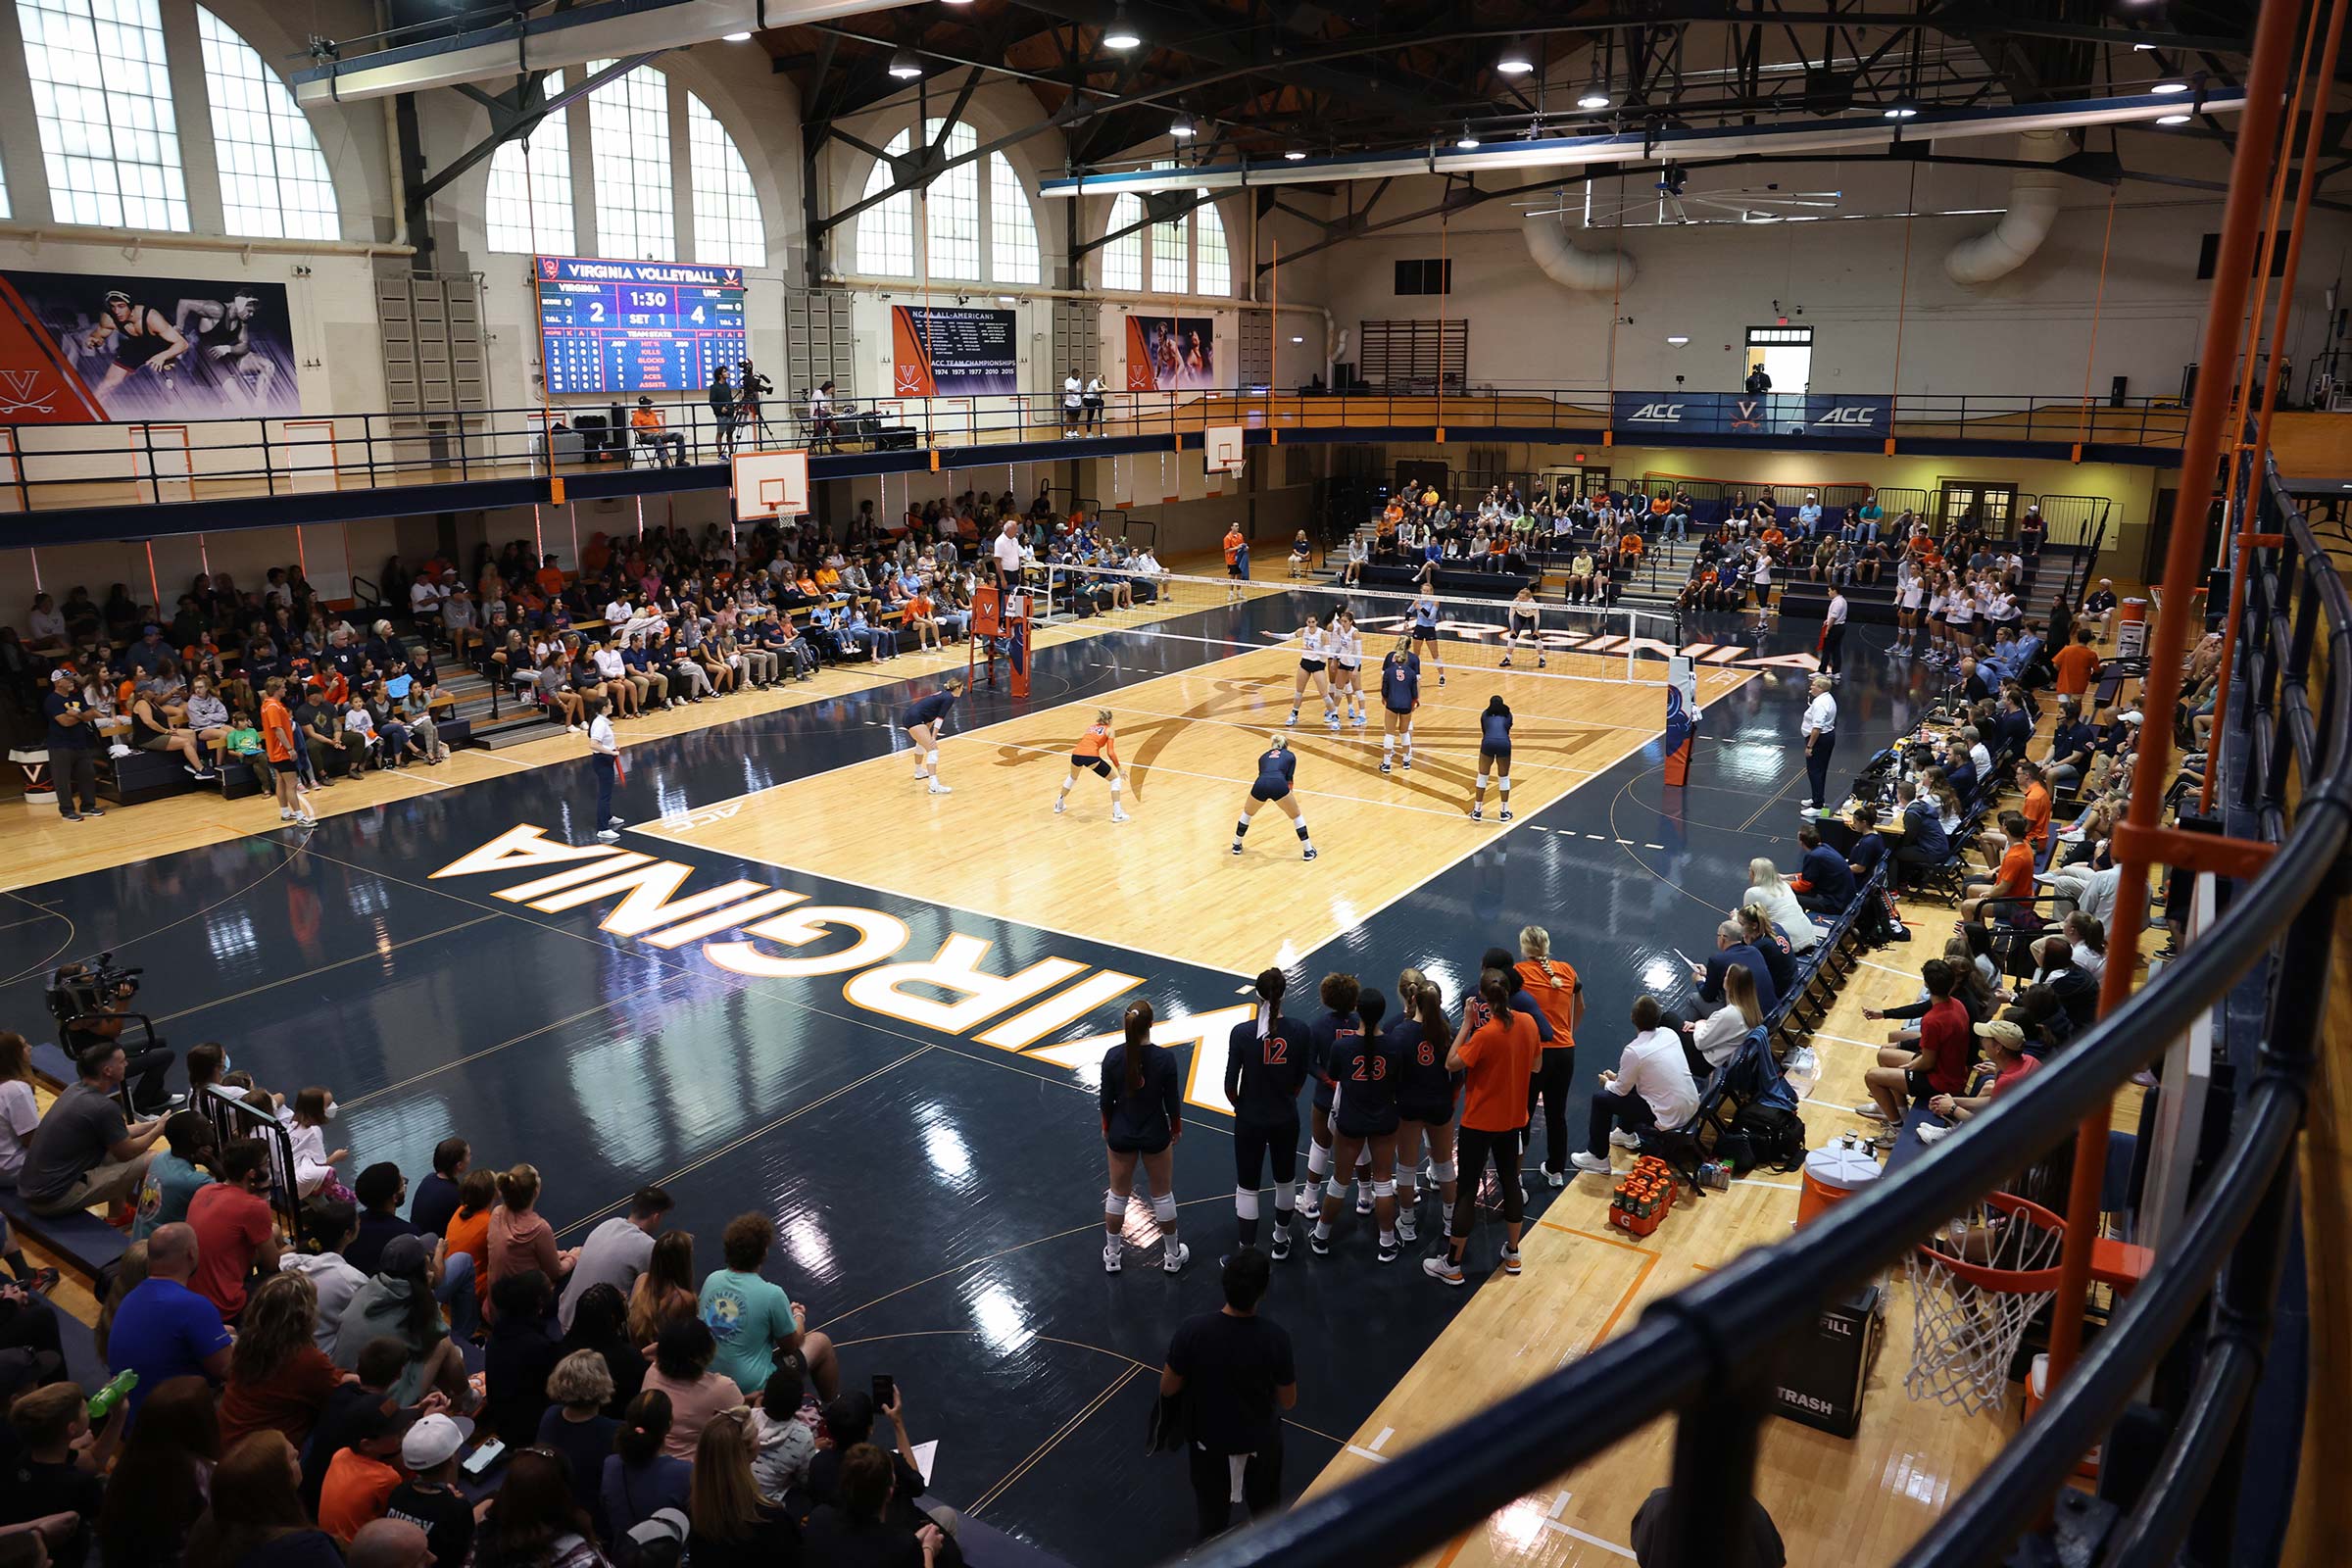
<point>1974,1287</point>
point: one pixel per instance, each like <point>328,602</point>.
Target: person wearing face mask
<point>314,1163</point>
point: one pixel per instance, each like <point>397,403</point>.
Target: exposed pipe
<point>2033,208</point>
<point>1565,263</point>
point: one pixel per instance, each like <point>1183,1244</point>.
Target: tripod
<point>749,418</point>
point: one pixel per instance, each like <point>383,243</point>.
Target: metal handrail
<point>1705,1354</point>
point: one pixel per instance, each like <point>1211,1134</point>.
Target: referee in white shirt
<point>603,758</point>
<point>1821,739</point>
<point>1007,551</point>
<point>1833,633</point>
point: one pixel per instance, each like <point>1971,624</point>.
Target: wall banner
<point>79,349</point>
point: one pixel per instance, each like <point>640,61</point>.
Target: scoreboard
<point>637,327</point>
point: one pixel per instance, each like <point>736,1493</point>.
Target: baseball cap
<point>372,1422</point>
<point>2129,716</point>
<point>61,672</point>
<point>433,1439</point>
<point>402,1254</point>
<point>2002,1030</point>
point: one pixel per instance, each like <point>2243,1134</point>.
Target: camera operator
<point>750,387</point>
<point>85,1151</point>
<point>93,1003</point>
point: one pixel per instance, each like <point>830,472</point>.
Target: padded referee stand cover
<point>1680,727</point>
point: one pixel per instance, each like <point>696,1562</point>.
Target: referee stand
<point>1000,622</point>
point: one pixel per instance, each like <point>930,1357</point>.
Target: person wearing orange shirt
<point>1237,561</point>
<point>1096,751</point>
<point>670,447</point>
<point>2076,664</point>
<point>2035,807</point>
<point>1498,1056</point>
<point>2011,876</point>
<point>923,618</point>
<point>1560,996</point>
<point>1630,547</point>
<point>277,745</point>
<point>550,578</point>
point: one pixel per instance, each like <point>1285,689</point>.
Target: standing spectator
<point>575,1426</point>
<point>85,1151</point>
<point>156,1493</point>
<point>73,741</point>
<point>616,1252</point>
<point>752,1319</point>
<point>682,1374</point>
<point>1498,1056</point>
<point>330,1222</point>
<point>430,1498</point>
<point>1235,1371</point>
<point>733,1526</point>
<point>1649,1088</point>
<point>533,1522</point>
<point>640,1475</point>
<point>278,1379</point>
<point>1832,634</point>
<point>163,1330</point>
<point>521,1238</point>
<point>174,1176</point>
<point>519,1356</point>
<point>236,1233</point>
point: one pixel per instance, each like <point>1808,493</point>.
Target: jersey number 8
<point>1426,1055</point>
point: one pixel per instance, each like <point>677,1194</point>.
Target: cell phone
<point>886,1391</point>
<point>477,1463</point>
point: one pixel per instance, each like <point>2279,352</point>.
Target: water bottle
<point>103,1402</point>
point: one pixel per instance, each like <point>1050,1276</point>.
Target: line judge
<point>1819,729</point>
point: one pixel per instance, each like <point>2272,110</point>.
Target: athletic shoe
<point>1871,1113</point>
<point>1593,1164</point>
<point>92,810</point>
<point>937,788</point>
<point>1623,1139</point>
<point>1407,1228</point>
<point>1359,721</point>
<point>1440,681</point>
<point>1443,1269</point>
<point>1110,1258</point>
<point>284,816</point>
<point>1384,765</point>
<point>1331,721</point>
<point>1116,816</point>
<point>42,1281</point>
<point>1177,1258</point>
<point>1928,1132</point>
<point>1309,855</point>
<point>306,821</point>
<point>606,836</point>
<point>1387,1252</point>
<point>1538,661</point>
<point>920,775</point>
<point>1280,1247</point>
<point>1318,1243</point>
<point>1408,763</point>
<point>1510,1260</point>
<point>1363,1198</point>
<point>70,817</point>
<point>1478,814</point>
<point>1507,814</point>
<point>1292,720</point>
<point>1507,661</point>
<point>1059,801</point>
<point>1236,846</point>
<point>1553,1177</point>
<point>615,821</point>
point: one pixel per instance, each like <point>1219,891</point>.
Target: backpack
<point>1775,1134</point>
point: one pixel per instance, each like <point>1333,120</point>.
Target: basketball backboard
<point>770,484</point>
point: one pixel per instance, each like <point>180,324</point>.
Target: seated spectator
<point>665,1293</point>
<point>859,1526</point>
<point>1650,1087</point>
<point>752,1319</point>
<point>175,1174</point>
<point>2075,988</point>
<point>849,1421</point>
<point>1733,947</point>
<point>430,1498</point>
<point>256,1518</point>
<point>733,1525</point>
<point>521,1238</point>
<point>85,1151</point>
<point>2012,1065</point>
<point>682,1373</point>
<point>20,1112</point>
<point>1929,1059</point>
<point>378,1191</point>
<point>157,1492</point>
<point>575,1426</point>
<point>236,1231</point>
<point>1717,1035</point>
<point>640,1475</point>
<point>397,1302</point>
<point>469,1231</point>
<point>1779,957</point>
<point>2011,878</point>
<point>533,1521</point>
<point>1824,881</point>
<point>389,1542</point>
<point>330,1223</point>
<point>278,1379</point>
<point>785,1435</point>
<point>616,1252</point>
<point>519,1357</point>
<point>53,1471</point>
<point>1657,1526</point>
<point>1770,892</point>
<point>163,1330</point>
<point>362,1476</point>
<point>599,1325</point>
<point>369,1388</point>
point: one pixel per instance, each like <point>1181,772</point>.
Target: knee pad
<point>1245,1203</point>
<point>1384,1189</point>
<point>1113,1205</point>
<point>1505,781</point>
<point>1440,1172</point>
<point>1318,1161</point>
<point>1163,1209</point>
<point>1285,1196</point>
<point>931,756</point>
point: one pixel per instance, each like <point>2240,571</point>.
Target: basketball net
<point>1974,1289</point>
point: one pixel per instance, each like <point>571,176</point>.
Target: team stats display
<point>637,327</point>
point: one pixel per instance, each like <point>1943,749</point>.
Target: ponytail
<point>1138,1024</point>
<point>1271,984</point>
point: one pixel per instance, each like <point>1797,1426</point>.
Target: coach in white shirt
<point>1833,633</point>
<point>1651,1088</point>
<point>1819,729</point>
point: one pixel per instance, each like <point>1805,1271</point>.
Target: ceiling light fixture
<point>1903,107</point>
<point>1180,128</point>
<point>1595,94</point>
<point>1297,155</point>
<point>1677,339</point>
<point>1468,139</point>
<point>1515,61</point>
<point>1296,338</point>
<point>734,37</point>
<point>2170,87</point>
<point>2174,118</point>
<point>1121,33</point>
<point>905,67</point>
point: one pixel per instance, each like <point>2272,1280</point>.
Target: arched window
<point>728,229</point>
<point>1212,264</point>
<point>1171,257</point>
<point>1123,258</point>
<point>628,134</point>
<point>951,205</point>
<point>886,229</point>
<point>1014,256</point>
<point>527,210</point>
<point>274,178</point>
<point>103,101</point>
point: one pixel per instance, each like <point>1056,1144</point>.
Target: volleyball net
<point>1614,643</point>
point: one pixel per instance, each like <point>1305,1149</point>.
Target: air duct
<point>1568,265</point>
<point>2033,208</point>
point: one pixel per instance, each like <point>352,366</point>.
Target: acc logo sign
<point>1851,413</point>
<point>1665,411</point>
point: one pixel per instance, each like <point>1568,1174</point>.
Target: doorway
<point>1977,504</point>
<point>1785,352</point>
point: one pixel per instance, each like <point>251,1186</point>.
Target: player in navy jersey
<point>1427,1095</point>
<point>921,720</point>
<point>1331,1034</point>
<point>1495,756</point>
<point>1141,1095</point>
<point>1265,1065</point>
<point>1400,695</point>
<point>1277,766</point>
<point>1363,1124</point>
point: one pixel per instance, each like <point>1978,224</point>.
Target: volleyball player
<point>1426,1092</point>
<point>1314,652</point>
<point>1494,755</point>
<point>1520,621</point>
<point>921,720</point>
<point>1347,667</point>
<point>1909,594</point>
<point>1960,618</point>
<point>1096,751</point>
<point>1400,695</point>
<point>1277,766</point>
<point>1424,613</point>
<point>1364,1121</point>
<point>1330,1035</point>
<point>1265,1064</point>
<point>1141,1097</point>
